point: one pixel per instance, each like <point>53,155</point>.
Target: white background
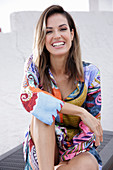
<point>9,6</point>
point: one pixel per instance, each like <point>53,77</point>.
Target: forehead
<point>56,20</point>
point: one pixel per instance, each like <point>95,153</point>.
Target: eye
<point>63,29</point>
<point>48,32</point>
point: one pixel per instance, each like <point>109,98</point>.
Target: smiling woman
<point>58,35</point>
<point>61,92</point>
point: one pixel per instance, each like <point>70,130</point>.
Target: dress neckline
<point>74,92</point>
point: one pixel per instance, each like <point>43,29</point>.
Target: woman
<point>63,94</point>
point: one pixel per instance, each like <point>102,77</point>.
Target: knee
<point>38,126</point>
<point>89,162</point>
<point>84,161</point>
<point>39,129</point>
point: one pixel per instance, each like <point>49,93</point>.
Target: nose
<point>56,34</point>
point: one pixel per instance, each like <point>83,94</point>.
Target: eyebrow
<point>58,26</point>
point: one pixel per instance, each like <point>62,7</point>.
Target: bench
<point>13,159</point>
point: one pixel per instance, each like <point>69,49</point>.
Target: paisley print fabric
<point>34,99</point>
<point>73,137</point>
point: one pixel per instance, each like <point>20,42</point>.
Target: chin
<point>60,54</point>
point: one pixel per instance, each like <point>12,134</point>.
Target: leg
<point>44,139</point>
<point>61,164</point>
<point>84,161</point>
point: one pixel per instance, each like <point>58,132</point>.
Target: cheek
<point>47,41</point>
<point>68,37</point>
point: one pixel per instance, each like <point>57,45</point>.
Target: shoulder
<point>30,65</point>
<point>91,68</point>
<point>31,71</point>
<point>28,62</point>
<point>90,71</point>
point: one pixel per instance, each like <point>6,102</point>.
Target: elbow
<point>28,101</point>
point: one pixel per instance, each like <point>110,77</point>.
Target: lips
<point>57,44</point>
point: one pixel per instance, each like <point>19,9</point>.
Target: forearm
<point>88,119</point>
<point>73,110</point>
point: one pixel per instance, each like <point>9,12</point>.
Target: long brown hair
<point>73,67</point>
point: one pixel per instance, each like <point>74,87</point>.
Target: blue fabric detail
<point>46,107</point>
<point>96,155</point>
<point>100,167</point>
<point>90,72</point>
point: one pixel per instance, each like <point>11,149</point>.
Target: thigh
<point>62,165</point>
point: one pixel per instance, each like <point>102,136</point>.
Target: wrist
<point>83,114</point>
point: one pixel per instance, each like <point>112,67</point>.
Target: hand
<point>94,125</point>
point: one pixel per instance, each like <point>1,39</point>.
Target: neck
<point>58,64</point>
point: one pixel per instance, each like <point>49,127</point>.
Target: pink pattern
<point>98,99</point>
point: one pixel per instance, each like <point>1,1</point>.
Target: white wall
<point>12,118</point>
<point>105,5</point>
<point>96,38</point>
<point>100,5</point>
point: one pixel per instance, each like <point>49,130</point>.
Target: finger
<point>97,141</point>
<point>101,136</point>
<point>100,132</point>
<point>97,138</point>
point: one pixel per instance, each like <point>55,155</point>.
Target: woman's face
<point>58,38</point>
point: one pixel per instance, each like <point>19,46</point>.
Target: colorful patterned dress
<point>73,136</point>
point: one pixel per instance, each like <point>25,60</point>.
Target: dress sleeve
<point>93,100</point>
<point>43,105</point>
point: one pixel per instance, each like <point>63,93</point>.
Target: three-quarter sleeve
<point>43,105</point>
<point>93,100</point>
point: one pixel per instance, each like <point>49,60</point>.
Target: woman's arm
<point>43,105</point>
<point>92,105</point>
<point>88,119</point>
<point>93,100</point>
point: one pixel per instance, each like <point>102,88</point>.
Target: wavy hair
<point>41,57</point>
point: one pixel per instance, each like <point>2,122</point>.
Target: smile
<point>58,44</point>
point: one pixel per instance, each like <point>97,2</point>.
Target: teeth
<point>58,44</point>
